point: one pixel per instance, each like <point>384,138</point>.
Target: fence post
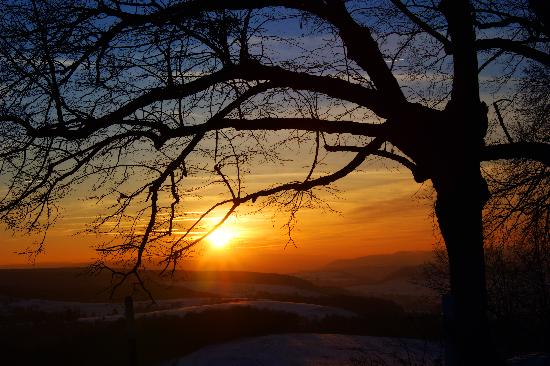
<point>131,330</point>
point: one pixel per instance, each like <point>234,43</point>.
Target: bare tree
<point>516,223</point>
<point>143,95</point>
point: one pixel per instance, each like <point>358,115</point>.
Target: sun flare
<point>221,237</point>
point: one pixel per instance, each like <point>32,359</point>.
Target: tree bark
<point>461,195</point>
<point>462,192</point>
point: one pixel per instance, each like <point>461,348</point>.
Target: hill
<point>377,267</point>
<point>388,276</point>
<point>75,284</point>
<point>370,269</point>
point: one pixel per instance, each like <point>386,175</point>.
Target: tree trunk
<point>461,195</point>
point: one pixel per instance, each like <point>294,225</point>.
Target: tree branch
<point>362,47</point>
<point>424,26</point>
<point>250,70</point>
<point>302,124</point>
<point>416,172</point>
<point>501,122</point>
<point>517,47</point>
<point>333,87</point>
<point>520,150</point>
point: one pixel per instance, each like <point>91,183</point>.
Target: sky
<point>377,210</point>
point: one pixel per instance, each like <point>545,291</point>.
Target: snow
<point>392,287</point>
<point>309,311</point>
<point>242,289</point>
<point>99,309</point>
<point>315,349</point>
<point>51,306</point>
<point>535,359</point>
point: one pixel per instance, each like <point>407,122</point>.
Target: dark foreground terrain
<point>71,320</point>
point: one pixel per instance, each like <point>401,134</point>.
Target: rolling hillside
<point>74,284</point>
<point>389,276</point>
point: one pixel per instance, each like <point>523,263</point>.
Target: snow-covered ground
<point>243,289</point>
<point>316,349</point>
<point>309,311</point>
<point>392,287</point>
<point>98,309</point>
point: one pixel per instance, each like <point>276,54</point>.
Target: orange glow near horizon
<point>221,237</point>
<point>379,213</point>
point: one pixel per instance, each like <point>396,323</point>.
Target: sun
<point>221,237</point>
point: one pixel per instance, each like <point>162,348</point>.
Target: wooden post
<point>131,330</point>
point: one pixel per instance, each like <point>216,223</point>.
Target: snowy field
<point>315,350</point>
<point>392,287</point>
<point>99,309</point>
<point>309,311</point>
<point>240,289</point>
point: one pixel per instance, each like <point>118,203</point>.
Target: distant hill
<point>394,260</point>
<point>74,284</point>
<point>389,276</point>
<point>369,269</point>
<point>247,277</point>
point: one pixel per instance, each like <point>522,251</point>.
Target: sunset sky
<point>379,210</point>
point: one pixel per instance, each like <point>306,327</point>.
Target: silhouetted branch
<point>235,202</point>
<point>518,150</point>
<point>516,47</point>
<point>424,26</point>
<point>501,122</point>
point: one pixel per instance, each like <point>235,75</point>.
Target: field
<point>65,317</point>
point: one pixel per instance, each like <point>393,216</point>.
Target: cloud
<point>402,208</point>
